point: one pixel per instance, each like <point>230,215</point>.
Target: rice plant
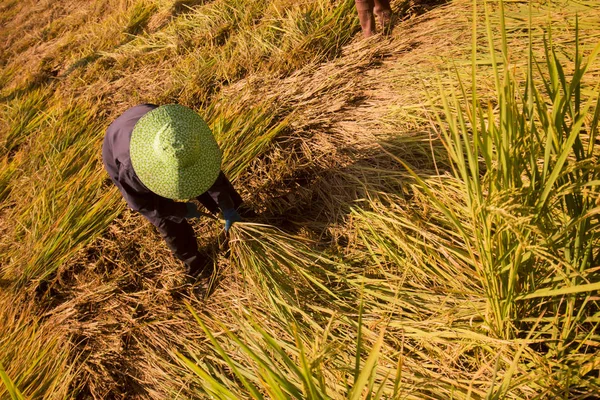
<point>414,241</point>
<point>508,247</point>
<point>34,355</point>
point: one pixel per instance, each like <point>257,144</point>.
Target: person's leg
<point>384,14</point>
<point>366,16</point>
<point>181,240</point>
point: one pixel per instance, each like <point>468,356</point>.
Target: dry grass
<point>35,351</point>
<point>311,122</point>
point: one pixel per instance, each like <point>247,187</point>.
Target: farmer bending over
<point>157,154</point>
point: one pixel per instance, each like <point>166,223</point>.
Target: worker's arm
<point>228,200</point>
<point>223,193</point>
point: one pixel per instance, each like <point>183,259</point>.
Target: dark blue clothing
<point>117,161</point>
<point>166,214</point>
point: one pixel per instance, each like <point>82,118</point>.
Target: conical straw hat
<point>174,153</point>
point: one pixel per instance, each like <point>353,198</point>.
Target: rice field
<point>428,203</point>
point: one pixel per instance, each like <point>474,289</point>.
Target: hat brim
<point>173,182</point>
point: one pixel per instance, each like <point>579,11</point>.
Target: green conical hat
<point>174,153</point>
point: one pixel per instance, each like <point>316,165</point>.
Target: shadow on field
<point>126,293</point>
<point>185,6</point>
<point>312,200</point>
<point>120,296</point>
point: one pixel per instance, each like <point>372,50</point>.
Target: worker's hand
<point>230,216</point>
<point>192,211</point>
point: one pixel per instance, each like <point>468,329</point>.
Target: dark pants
<point>181,239</point>
<point>180,236</point>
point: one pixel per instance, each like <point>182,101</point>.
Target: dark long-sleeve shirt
<point>117,162</point>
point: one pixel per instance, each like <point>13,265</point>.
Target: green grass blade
<point>367,370</point>
<point>12,389</point>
